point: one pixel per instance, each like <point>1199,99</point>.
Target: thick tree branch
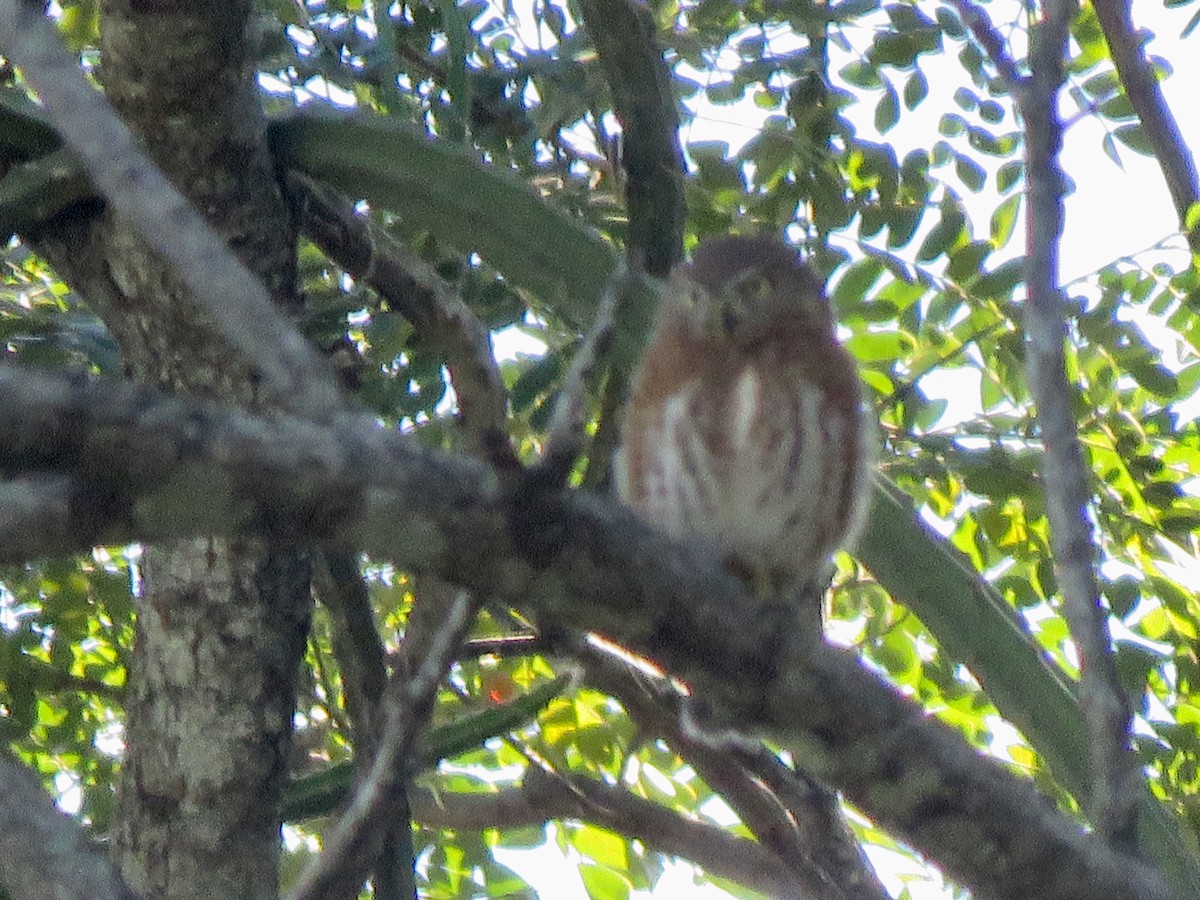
<point>138,190</point>
<point>1142,88</point>
<point>43,854</point>
<point>644,104</point>
<point>136,459</point>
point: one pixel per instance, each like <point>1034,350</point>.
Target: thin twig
<point>1146,96</point>
<point>1116,785</point>
<point>138,190</point>
<point>608,430</point>
<point>568,427</point>
<point>976,19</point>
<point>352,844</point>
<point>411,286</point>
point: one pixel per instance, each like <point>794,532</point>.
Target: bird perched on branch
<point>745,425</point>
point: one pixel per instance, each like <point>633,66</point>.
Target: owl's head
<point>741,287</point>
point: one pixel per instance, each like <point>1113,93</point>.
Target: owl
<point>745,427</point>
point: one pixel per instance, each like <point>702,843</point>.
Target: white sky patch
<point>513,341</point>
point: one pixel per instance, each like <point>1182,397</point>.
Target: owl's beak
<point>731,315</point>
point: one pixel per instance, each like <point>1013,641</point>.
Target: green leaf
<point>887,110</point>
<point>855,282</point>
<point>967,261</point>
<point>991,112</point>
<point>943,236</point>
<point>966,98</point>
<point>1191,25</point>
<point>319,794</point>
<point>602,846</point>
<point>952,125</point>
<point>971,173</point>
<point>1192,218</point>
<point>916,88</point>
<point>1134,137</point>
<point>847,10</point>
<point>880,346</point>
<point>1004,220</point>
<point>861,74</point>
<point>458,82</point>
<point>603,883</point>
<point>1009,175</point>
<point>1155,378</point>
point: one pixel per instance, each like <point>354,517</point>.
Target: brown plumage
<point>745,425</point>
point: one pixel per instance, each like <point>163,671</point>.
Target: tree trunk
<point>221,625</point>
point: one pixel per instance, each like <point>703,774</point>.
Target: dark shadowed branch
<point>136,458</point>
<point>353,844</point>
<point>645,105</point>
<point>43,854</point>
<point>339,586</point>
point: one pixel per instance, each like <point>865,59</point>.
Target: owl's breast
<point>758,458</point>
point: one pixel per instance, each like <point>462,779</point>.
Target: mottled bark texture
<point>107,462</point>
<point>221,624</point>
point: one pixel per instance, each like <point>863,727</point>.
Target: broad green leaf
<point>1004,220</point>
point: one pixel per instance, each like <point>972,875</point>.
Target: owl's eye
<point>752,287</point>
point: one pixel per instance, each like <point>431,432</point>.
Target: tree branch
<point>138,190</point>
<point>644,104</point>
<point>410,285</point>
<point>807,833</point>
<point>137,460</point>
<point>1145,95</point>
<point>339,585</point>
<point>1116,783</point>
<point>544,797</point>
<point>1102,697</point>
<point>353,844</point>
<point>43,854</point>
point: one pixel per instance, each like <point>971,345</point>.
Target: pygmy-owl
<point>745,426</point>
